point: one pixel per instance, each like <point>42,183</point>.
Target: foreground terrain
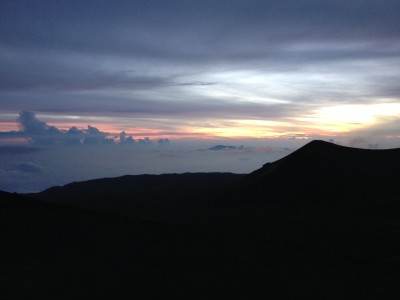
<point>320,223</point>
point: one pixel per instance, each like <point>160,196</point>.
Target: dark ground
<point>322,223</point>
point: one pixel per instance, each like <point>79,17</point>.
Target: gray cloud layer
<point>155,58</point>
<point>141,27</point>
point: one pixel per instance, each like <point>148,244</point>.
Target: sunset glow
<point>344,118</point>
<point>336,120</point>
<point>95,82</point>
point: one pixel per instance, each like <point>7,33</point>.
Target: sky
<point>194,73</point>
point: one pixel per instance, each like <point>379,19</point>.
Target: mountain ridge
<point>320,168</point>
<point>141,195</point>
<point>318,171</point>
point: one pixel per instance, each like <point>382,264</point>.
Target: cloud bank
<point>55,165</point>
<point>40,133</point>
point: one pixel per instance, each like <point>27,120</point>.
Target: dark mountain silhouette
<point>322,171</point>
<point>321,223</point>
<point>143,196</point>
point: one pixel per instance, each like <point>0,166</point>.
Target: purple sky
<point>235,72</point>
<point>203,68</point>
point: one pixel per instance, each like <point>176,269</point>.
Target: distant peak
<point>320,142</point>
<point>317,147</point>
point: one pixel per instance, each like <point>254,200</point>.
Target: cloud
<point>38,131</point>
<point>25,168</point>
<point>30,124</point>
<point>94,136</point>
<point>50,72</point>
<point>196,60</point>
<point>164,141</point>
<point>170,39</point>
<point>145,141</point>
<point>222,29</point>
<point>125,139</point>
<point>181,105</point>
<point>196,83</point>
<point>224,148</point>
<point>73,136</point>
<point>18,150</point>
<point>42,134</point>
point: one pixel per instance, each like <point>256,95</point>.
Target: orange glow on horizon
<point>338,120</point>
<point>240,129</point>
<point>8,126</point>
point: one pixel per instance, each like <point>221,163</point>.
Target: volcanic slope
<point>322,171</point>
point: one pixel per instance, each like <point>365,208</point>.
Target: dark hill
<point>321,223</point>
<point>322,171</point>
<point>143,196</point>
